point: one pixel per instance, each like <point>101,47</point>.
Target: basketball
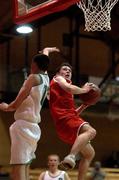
<point>92,97</point>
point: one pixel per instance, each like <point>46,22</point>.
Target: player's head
<point>40,62</point>
<point>53,161</point>
<point>97,165</point>
<point>65,70</point>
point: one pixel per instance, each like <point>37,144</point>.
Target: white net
<point>22,10</point>
<point>97,14</point>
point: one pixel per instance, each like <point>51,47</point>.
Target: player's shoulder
<point>33,76</point>
<point>35,79</point>
<point>66,176</point>
<point>59,78</point>
<point>63,172</point>
<point>42,174</point>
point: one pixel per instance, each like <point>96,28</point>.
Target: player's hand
<point>87,87</point>
<point>7,107</point>
<point>3,106</point>
<point>93,86</point>
<point>51,49</point>
<point>48,50</point>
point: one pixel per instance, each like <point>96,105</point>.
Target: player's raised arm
<point>49,50</point>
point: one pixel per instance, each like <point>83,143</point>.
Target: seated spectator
<point>53,173</point>
<point>97,173</point>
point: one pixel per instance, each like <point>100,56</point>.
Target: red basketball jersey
<point>61,102</point>
<point>62,108</point>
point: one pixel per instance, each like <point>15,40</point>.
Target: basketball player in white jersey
<point>53,173</point>
<point>25,131</point>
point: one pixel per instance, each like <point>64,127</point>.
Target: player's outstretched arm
<point>73,89</point>
<point>31,81</point>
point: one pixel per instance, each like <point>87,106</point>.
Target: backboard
<point>26,11</point>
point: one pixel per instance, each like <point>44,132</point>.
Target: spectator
<point>97,173</point>
<point>53,173</point>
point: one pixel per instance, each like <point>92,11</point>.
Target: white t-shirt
<point>60,176</point>
<point>30,108</point>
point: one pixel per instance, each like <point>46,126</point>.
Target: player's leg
<point>27,172</point>
<point>87,133</point>
<point>88,154</point>
<point>18,172</point>
<point>23,142</point>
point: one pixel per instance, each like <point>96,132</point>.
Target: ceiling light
<point>24,29</point>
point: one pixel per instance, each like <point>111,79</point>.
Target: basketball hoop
<point>97,14</point>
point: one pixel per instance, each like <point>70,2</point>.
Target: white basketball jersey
<point>30,108</point>
<point>47,176</point>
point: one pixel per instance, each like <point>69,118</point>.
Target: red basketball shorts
<point>68,127</point>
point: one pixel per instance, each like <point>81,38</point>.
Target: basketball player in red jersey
<point>71,128</point>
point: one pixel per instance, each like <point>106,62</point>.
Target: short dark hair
<point>63,64</point>
<point>56,155</point>
<point>42,61</point>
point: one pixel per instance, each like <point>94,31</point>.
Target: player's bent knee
<point>90,154</point>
